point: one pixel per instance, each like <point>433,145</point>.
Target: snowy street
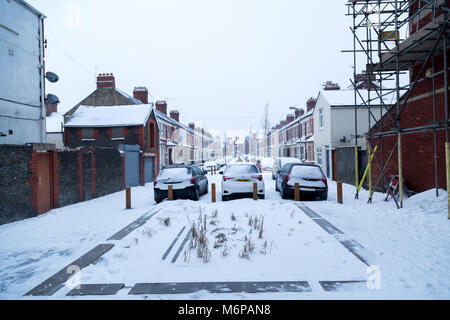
<point>319,250</point>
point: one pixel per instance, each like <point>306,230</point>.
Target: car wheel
<point>262,197</point>
<point>284,195</point>
<point>206,190</point>
<point>224,198</point>
<point>158,200</point>
<point>196,194</point>
<point>324,196</point>
<point>276,187</point>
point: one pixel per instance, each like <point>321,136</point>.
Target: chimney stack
<point>161,106</point>
<point>106,80</point>
<point>311,104</point>
<point>175,115</point>
<point>192,125</point>
<point>50,108</point>
<point>290,118</point>
<point>330,85</point>
<point>141,93</point>
<point>299,113</point>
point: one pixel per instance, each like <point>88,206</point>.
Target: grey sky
<point>216,61</point>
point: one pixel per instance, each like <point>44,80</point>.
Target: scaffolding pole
<point>388,20</point>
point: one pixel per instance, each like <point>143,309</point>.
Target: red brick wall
<point>417,149</point>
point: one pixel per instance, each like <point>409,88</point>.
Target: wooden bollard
<point>297,192</point>
<point>212,171</point>
<point>340,198</point>
<point>170,193</point>
<point>213,193</point>
<point>255,191</point>
<point>128,198</point>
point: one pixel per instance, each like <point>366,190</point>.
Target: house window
<point>319,156</point>
<point>118,133</point>
<point>321,117</point>
<point>87,134</point>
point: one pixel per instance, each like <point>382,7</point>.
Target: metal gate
<point>132,173</point>
<point>44,189</point>
<point>149,169</point>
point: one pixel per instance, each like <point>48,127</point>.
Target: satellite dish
<point>52,99</point>
<point>52,77</point>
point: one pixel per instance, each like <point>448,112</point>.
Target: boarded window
<point>87,133</point>
<point>118,133</point>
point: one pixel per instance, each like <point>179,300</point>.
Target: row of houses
<point>106,142</point>
<point>326,124</point>
<point>108,117</point>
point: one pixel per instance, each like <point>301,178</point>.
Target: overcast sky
<point>217,62</point>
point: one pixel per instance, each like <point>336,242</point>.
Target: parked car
<point>188,182</point>
<point>313,182</point>
<point>267,164</point>
<point>279,163</point>
<point>238,180</point>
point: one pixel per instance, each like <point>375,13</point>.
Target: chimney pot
<point>106,81</point>
<point>161,106</point>
<point>141,93</point>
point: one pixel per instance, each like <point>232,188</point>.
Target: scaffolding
<point>378,26</point>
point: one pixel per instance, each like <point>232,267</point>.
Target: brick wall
<point>73,138</point>
<point>108,171</point>
<point>417,149</point>
<point>15,174</point>
<point>76,175</point>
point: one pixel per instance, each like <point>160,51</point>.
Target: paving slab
<point>97,289</point>
<point>134,225</point>
<point>337,286</point>
<point>310,213</point>
<point>186,239</point>
<point>173,243</point>
<point>327,226</point>
<point>57,281</point>
<point>354,247</point>
<point>219,287</point>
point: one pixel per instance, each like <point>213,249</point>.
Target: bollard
<point>128,198</point>
<point>212,171</point>
<point>340,198</point>
<point>170,193</point>
<point>255,191</point>
<point>297,192</point>
<point>213,193</point>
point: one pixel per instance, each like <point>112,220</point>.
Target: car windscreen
<point>307,172</point>
<point>242,169</point>
<point>174,173</point>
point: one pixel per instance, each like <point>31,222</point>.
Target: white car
<point>238,180</point>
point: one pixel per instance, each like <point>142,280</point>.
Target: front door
<point>132,154</point>
<point>44,194</point>
<point>149,169</point>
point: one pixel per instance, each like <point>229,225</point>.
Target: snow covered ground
<point>409,246</point>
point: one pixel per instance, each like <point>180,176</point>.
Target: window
<point>118,133</point>
<point>319,156</point>
<point>321,117</point>
<point>87,134</point>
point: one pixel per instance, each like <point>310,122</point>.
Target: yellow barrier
<point>367,170</point>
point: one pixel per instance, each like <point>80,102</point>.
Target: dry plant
<point>248,249</point>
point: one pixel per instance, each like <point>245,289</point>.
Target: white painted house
<point>334,122</point>
<point>22,108</point>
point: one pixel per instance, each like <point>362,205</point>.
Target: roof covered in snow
<point>346,98</point>
<point>54,122</point>
<point>116,116</point>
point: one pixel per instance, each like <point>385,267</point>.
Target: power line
<point>71,58</point>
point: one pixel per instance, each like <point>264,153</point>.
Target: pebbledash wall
<point>76,176</point>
